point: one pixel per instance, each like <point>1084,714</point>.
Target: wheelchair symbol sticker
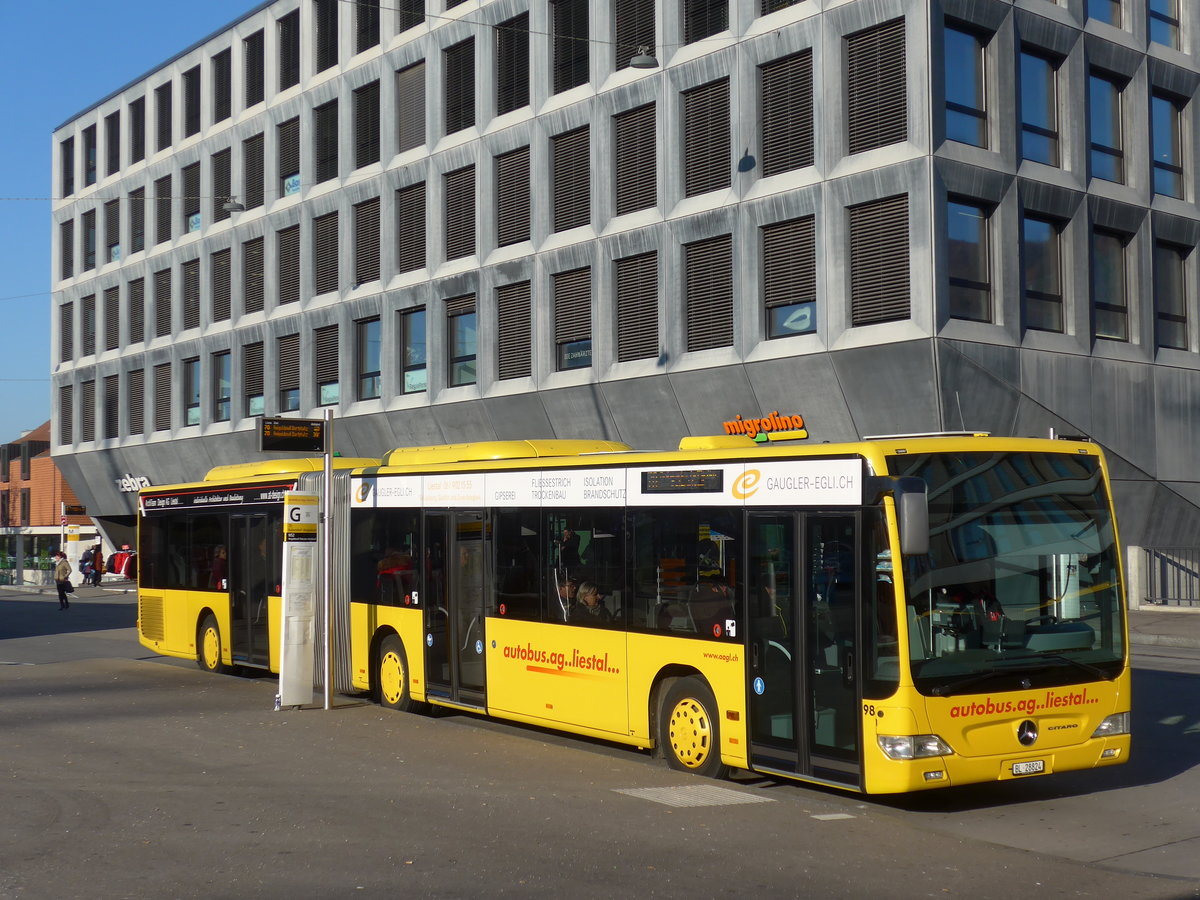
<point>429,639</point>
<point>759,686</point>
<point>478,647</point>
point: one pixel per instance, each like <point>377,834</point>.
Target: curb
<point>1164,640</point>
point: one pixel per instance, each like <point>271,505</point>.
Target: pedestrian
<point>62,579</point>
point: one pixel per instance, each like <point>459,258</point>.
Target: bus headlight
<point>1115,724</point>
<point>913,746</point>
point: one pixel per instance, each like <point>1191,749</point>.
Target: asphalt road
<point>128,776</point>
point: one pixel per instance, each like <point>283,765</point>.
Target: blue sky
<point>56,59</point>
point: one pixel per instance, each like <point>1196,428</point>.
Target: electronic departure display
<point>684,481</point>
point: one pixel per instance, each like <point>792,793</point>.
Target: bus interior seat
<point>918,634</point>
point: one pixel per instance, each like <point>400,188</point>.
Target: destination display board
<point>291,435</point>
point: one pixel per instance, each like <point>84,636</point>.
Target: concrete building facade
<point>455,221</point>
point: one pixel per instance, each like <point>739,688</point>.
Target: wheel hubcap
<point>690,733</point>
<point>212,649</point>
<point>391,677</point>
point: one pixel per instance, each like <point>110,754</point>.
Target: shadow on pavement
<point>33,618</point>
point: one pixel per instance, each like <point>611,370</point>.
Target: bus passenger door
<point>249,577</point>
<point>803,596</point>
<point>453,599</point>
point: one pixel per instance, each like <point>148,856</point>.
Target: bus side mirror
<point>912,514</point>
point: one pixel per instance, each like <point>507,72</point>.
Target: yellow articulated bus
<point>883,616</point>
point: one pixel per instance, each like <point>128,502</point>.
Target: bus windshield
<point>1020,588</point>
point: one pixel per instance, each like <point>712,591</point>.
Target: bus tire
<point>208,646</point>
<point>392,677</point>
<point>689,729</point>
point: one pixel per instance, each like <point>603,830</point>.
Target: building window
<point>460,212</point>
<point>572,292</point>
<point>191,101</point>
<point>137,311</point>
<point>409,14</point>
<point>366,125</point>
<point>461,341</point>
<point>191,198</point>
<point>1170,296</point>
<point>514,344</point>
<point>325,365</point>
<point>220,283</point>
<point>112,143</point>
<point>512,64</point>
<point>136,385</point>
<point>1109,290</point>
<point>289,157</point>
<point>367,356</point>
<point>87,411</point>
<point>1164,22</point>
<point>1104,128</point>
<point>66,332</point>
<point>789,264</point>
<point>66,166</point>
<point>137,220</point>
<point>89,239</point>
<point>137,130</point>
<point>288,50</point>
<point>635,175</point>
<point>112,231</point>
<point>637,307</point>
<point>512,197</point>
<point>252,379</point>
<point>572,174</point>
<point>366,25</point>
<point>410,107</point>
<point>410,227</point>
<point>968,255</point>
<point>633,30</point>
<point>190,274</point>
<point>222,85</point>
<point>162,116</point>
<point>1042,270</point>
<point>366,241</point>
<point>325,253</point>
<point>162,303</point>
<point>879,261</point>
<point>569,28</point>
<point>288,259</point>
<point>1039,109</point>
<point>289,372</point>
<point>877,85</point>
<point>704,18</point>
<point>1165,116</point>
<point>459,62</point>
<point>966,103</point>
<point>66,417</point>
<point>787,113</point>
<point>221,178</point>
<point>112,318</point>
<point>5,501</point>
<point>254,69</point>
<point>162,210</point>
<point>325,141</point>
<point>87,325</point>
<point>253,171</point>
<point>26,506</point>
<point>162,397</point>
<point>413,365</point>
<point>1107,11</point>
<point>191,391</point>
<point>253,272</point>
<point>708,292</point>
<point>66,249</point>
<point>325,23</point>
<point>222,386</point>
<point>707,157</point>
<point>89,155</point>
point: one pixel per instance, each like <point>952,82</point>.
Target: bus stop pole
<point>327,557</point>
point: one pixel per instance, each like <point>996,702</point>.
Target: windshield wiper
<point>957,686</point>
<point>1077,663</point>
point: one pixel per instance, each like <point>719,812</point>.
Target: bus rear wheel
<point>689,730</point>
<point>208,645</point>
<point>392,676</point>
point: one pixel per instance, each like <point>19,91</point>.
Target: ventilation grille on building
<point>637,307</point>
<point>514,311</point>
<point>879,254</point>
<point>707,157</point>
<point>512,197</point>
<point>709,276</point>
<point>876,86</point>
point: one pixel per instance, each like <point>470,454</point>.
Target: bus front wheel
<point>689,730</point>
<point>393,676</point>
<point>208,645</point>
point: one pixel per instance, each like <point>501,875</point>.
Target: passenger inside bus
<point>589,608</point>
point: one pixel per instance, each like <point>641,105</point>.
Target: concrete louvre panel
<point>581,412</point>
<point>804,385</point>
<point>708,399</point>
<point>1177,416</point>
<point>890,388</point>
<point>648,413</point>
<point>1061,384</point>
<point>518,417</point>
<point>980,386</point>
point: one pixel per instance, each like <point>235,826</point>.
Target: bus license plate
<point>1035,767</point>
